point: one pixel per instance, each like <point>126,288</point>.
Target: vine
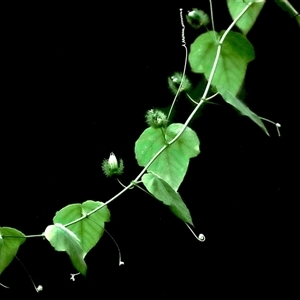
<point>77,228</point>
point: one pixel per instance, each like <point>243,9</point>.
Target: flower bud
<point>175,82</point>
<point>111,167</point>
<point>156,118</point>
<point>196,18</point>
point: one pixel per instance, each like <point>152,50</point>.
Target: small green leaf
<point>171,164</point>
<point>241,107</point>
<point>236,53</point>
<point>63,239</point>
<point>10,241</point>
<point>162,191</point>
<point>89,230</point>
<point>248,19</point>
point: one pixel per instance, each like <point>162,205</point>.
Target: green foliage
<point>246,22</point>
<point>236,53</point>
<point>164,151</point>
<point>241,107</point>
<point>162,191</point>
<point>171,165</point>
<point>80,236</point>
<point>63,239</point>
<point>10,241</point>
<point>90,229</point>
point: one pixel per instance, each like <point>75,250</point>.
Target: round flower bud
<point>156,118</point>
<point>196,18</point>
<point>111,166</point>
<point>175,82</point>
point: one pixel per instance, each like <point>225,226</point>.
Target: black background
<point>77,80</point>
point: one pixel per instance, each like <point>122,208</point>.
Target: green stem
<point>4,285</point>
<point>101,206</point>
<point>185,62</point>
<point>23,237</point>
<point>144,190</point>
<point>212,18</point>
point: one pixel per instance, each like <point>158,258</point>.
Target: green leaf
<point>63,239</point>
<point>10,241</point>
<point>162,191</point>
<point>171,165</point>
<point>89,230</point>
<point>241,107</point>
<point>248,19</point>
<point>236,53</point>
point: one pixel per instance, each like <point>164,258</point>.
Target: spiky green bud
<point>111,166</point>
<point>175,81</point>
<point>196,18</point>
<point>156,118</point>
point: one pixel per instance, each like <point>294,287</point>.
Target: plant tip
<point>201,237</point>
<point>39,288</point>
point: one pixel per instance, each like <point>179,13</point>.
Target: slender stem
<point>163,134</point>
<point>123,185</point>
<point>234,22</point>
<point>212,18</point>
<point>23,237</point>
<point>34,235</point>
<point>206,100</point>
<point>101,206</point>
<point>150,162</point>
<point>191,230</point>
<point>37,289</point>
<point>4,285</point>
<point>195,102</point>
<point>143,190</point>
<point>212,96</point>
<point>120,256</point>
<point>185,62</point>
<point>201,237</point>
<point>276,124</point>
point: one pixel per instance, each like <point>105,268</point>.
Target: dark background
<point>77,80</point>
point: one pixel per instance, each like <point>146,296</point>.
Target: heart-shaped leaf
<point>63,239</point>
<point>171,165</point>
<point>236,53</point>
<point>241,107</point>
<point>90,229</point>
<point>248,19</point>
<point>162,191</point>
<point>10,241</point>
